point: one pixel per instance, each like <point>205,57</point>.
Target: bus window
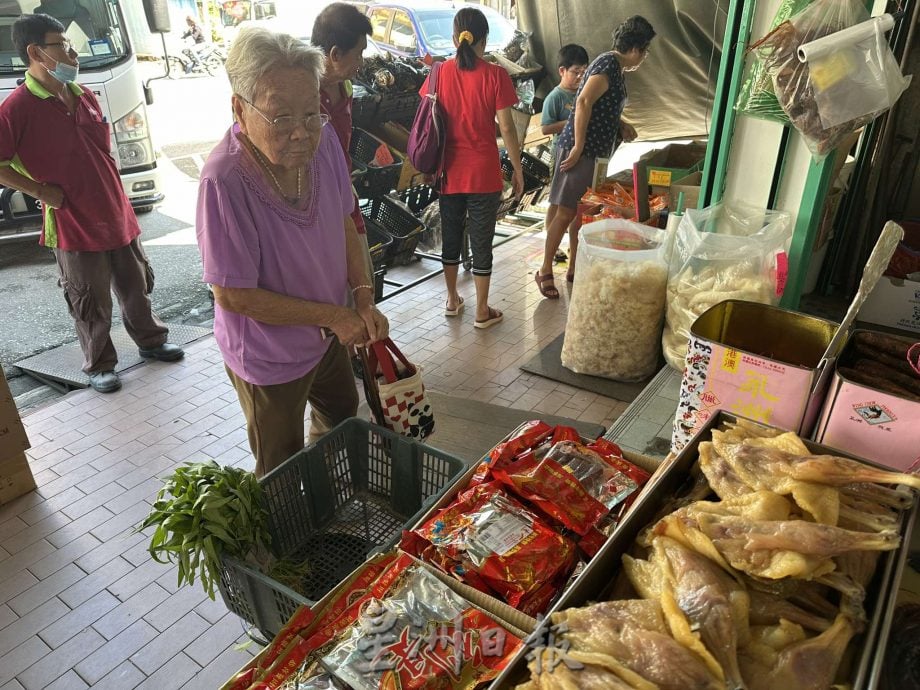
<point>402,33</point>
<point>379,20</point>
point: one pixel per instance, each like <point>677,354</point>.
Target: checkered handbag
<point>395,392</point>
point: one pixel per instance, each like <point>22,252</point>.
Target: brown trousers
<point>275,414</point>
<point>88,279</point>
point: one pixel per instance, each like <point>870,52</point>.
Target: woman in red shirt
<point>471,92</point>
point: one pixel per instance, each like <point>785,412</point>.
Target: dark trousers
<point>274,414</point>
<point>88,280</point>
<point>477,213</point>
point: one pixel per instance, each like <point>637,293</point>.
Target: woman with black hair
<point>471,92</point>
<point>593,131</point>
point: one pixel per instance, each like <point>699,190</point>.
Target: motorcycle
<point>207,59</point>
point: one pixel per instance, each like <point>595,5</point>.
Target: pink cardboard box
<point>753,360</point>
<point>861,420</point>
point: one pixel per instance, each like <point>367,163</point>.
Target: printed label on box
<point>504,534</point>
<point>659,178</point>
<point>876,426</point>
<point>756,387</point>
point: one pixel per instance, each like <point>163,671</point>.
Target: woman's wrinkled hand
<point>375,323</point>
<point>349,327</point>
<point>51,195</point>
<point>571,160</point>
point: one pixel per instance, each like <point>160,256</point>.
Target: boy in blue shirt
<point>572,63</point>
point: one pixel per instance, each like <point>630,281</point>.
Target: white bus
<point>108,66</point>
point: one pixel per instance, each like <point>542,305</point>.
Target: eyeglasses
<point>65,44</point>
<point>579,72</point>
<point>285,124</point>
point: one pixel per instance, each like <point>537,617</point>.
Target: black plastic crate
<point>364,110</point>
<point>374,180</point>
<point>507,206</point>
<point>533,185</point>
<point>378,242</point>
<point>335,502</point>
<point>378,284</point>
<point>398,107</point>
<point>397,221</point>
<point>418,197</point>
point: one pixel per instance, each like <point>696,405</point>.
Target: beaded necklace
<point>265,166</point>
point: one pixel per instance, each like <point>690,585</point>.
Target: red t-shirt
<point>39,138</point>
<point>340,119</point>
<point>469,100</point>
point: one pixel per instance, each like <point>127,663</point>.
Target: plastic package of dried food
<point>572,484</point>
<point>415,633</point>
<point>726,251</point>
<point>795,83</point>
<point>488,540</point>
<point>614,321</point>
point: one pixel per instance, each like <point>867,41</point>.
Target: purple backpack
<point>426,140</point>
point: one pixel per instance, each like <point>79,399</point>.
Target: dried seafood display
<point>760,586</point>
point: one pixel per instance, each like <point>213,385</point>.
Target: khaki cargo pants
<point>88,279</point>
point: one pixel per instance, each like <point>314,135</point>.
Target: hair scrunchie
<point>465,36</point>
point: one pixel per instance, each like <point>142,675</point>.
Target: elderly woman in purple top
<point>281,251</point>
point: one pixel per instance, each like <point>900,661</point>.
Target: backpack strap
<point>433,79</point>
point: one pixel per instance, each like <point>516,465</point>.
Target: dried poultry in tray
<point>760,586</point>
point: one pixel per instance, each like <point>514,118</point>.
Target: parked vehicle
<point>108,66</point>
<point>415,28</point>
<point>197,59</point>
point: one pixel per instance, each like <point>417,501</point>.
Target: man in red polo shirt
<point>55,146</point>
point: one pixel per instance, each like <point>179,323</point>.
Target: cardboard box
<point>754,360</point>
<point>13,437</point>
<point>895,302</point>
<point>861,420</point>
<point>15,477</point>
<point>690,186</point>
<point>656,170</point>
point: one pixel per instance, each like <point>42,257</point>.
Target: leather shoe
<point>167,352</point>
<point>104,381</point>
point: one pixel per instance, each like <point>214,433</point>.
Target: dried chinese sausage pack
<point>572,484</point>
<point>417,634</point>
<point>490,541</point>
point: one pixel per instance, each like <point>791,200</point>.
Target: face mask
<point>62,71</point>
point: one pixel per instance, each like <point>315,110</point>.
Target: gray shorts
<point>568,187</point>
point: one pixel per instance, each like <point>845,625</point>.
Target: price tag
<point>659,178</point>
<point>782,272</point>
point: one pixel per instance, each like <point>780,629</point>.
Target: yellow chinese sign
<point>759,402</point>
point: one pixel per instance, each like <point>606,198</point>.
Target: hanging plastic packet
<point>853,72</point>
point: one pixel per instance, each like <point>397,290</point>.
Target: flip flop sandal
<point>454,312</point>
<point>495,316</point>
<point>548,291</point>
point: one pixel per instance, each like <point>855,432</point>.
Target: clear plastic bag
<point>615,316</point>
<point>726,251</point>
<point>854,73</point>
<point>792,82</point>
<point>757,97</point>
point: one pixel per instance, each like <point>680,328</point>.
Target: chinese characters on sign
<point>758,402</point>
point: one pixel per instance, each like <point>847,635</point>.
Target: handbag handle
<point>383,352</point>
<point>433,79</point>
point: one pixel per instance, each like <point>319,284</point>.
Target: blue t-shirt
<point>601,135</point>
<point>557,107</point>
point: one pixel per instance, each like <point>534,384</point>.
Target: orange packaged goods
<point>408,631</point>
<point>490,541</point>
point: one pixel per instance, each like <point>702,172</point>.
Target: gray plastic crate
<point>334,503</point>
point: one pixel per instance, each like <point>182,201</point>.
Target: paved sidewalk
<point>81,602</point>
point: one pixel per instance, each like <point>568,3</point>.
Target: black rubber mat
<point>62,366</point>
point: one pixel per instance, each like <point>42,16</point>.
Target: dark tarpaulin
<point>670,96</point>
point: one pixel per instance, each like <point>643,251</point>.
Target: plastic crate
<point>378,284</point>
<point>374,180</point>
<point>398,221</point>
<point>418,197</point>
<point>398,107</point>
<point>533,185</point>
<point>378,242</point>
<point>506,206</point>
<point>351,493</point>
<point>364,110</point>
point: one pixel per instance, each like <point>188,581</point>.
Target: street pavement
<point>188,117</point>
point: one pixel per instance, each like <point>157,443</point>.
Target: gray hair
<point>257,51</point>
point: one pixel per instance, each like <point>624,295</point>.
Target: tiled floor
<point>81,602</point>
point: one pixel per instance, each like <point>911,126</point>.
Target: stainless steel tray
<point>598,577</point>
